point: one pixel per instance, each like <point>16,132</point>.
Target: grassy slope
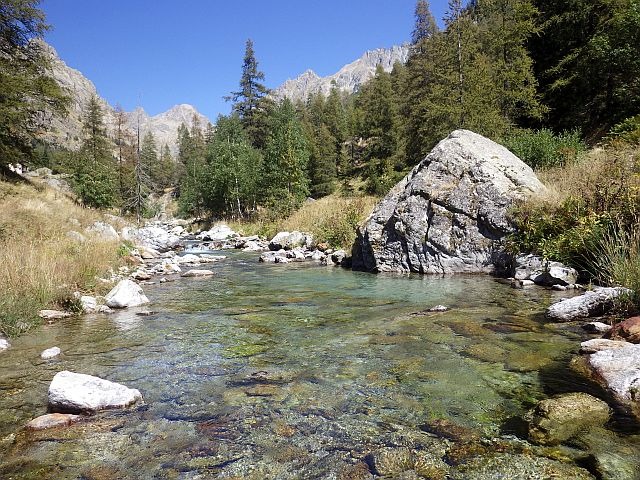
<point>40,266</point>
<point>332,219</point>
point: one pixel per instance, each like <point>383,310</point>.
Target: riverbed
<point>304,371</point>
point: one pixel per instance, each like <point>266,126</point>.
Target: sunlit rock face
<point>450,213</point>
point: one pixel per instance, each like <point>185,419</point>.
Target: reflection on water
<point>302,371</point>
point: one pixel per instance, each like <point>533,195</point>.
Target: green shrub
<point>544,149</point>
<point>627,131</point>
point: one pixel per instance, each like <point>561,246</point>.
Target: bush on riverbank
<point>40,265</point>
<point>545,149</point>
<point>589,217</point>
<point>332,219</point>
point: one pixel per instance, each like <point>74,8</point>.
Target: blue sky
<point>158,53</point>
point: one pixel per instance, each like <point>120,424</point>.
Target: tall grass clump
<point>332,219</point>
<point>40,264</point>
<point>541,149</point>
<point>616,261</point>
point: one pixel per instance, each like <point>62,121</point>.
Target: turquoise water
<point>299,371</point>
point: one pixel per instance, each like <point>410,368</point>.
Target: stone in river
<point>79,393</point>
<point>126,293</point>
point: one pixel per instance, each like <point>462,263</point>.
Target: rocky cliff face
<point>449,214</point>
<point>67,131</point>
<point>348,78</point>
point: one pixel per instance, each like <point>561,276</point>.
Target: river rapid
<point>301,371</point>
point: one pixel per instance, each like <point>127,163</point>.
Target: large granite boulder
<point>154,237</point>
<point>79,393</point>
<point>449,214</point>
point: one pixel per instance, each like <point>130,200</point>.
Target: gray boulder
<point>126,293</point>
<point>589,304</point>
<point>78,393</point>
<point>104,231</point>
<point>154,237</point>
<point>618,370</point>
<point>449,214</point>
<point>531,267</point>
<point>290,240</point>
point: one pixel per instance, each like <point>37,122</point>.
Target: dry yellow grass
<point>40,265</point>
<point>332,219</point>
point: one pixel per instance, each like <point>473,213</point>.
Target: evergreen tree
<point>425,25</point>
<point>587,60</point>
<point>93,177</point>
<point>165,175</point>
<point>250,101</point>
<point>507,27</point>
<point>286,159</point>
<point>27,93</point>
<point>150,162</point>
<point>230,181</point>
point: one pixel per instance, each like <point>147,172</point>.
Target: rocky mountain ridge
<point>67,131</point>
<point>348,79</point>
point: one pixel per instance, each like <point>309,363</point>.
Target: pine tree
<point>150,162</point>
<point>28,94</point>
<point>250,101</point>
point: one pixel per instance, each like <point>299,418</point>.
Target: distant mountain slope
<point>348,78</point>
<point>67,131</point>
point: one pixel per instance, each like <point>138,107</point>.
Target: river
<point>302,371</point>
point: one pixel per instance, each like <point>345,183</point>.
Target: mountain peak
<point>349,78</point>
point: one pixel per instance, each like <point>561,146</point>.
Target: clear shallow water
<point>296,371</point>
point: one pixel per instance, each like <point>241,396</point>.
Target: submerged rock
<point>50,353</point>
<point>126,294</point>
<point>52,420</point>
<point>520,467</point>
<point>449,214</point>
<point>79,393</point>
<point>558,419</point>
<point>592,303</point>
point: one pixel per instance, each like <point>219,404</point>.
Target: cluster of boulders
<point>287,247</point>
<point>613,359</point>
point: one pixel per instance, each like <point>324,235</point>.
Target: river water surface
<point>303,371</point>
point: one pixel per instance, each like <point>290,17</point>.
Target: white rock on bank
<point>53,314</point>
<point>601,344</point>
<point>126,294</point>
<point>591,303</point>
<point>198,273</point>
<point>290,240</point>
<point>619,370</point>
<point>50,353</point>
<point>217,234</point>
<point>76,392</point>
<point>103,230</point>
<point>152,237</point>
<point>4,344</point>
